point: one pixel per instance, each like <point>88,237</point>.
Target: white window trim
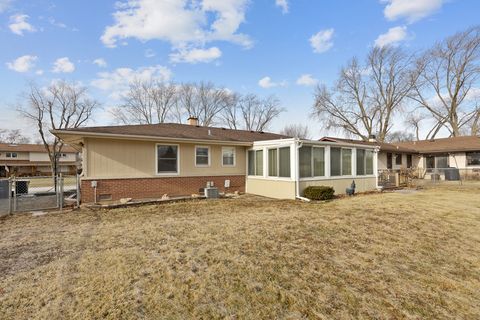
<point>313,176</point>
<point>264,175</point>
<point>156,160</point>
<point>268,163</point>
<point>234,157</point>
<point>209,157</point>
<point>278,163</point>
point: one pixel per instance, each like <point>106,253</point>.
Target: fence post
<point>14,183</point>
<point>10,183</point>
<point>78,190</point>
<point>61,192</point>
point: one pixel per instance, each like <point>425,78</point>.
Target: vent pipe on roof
<point>193,121</point>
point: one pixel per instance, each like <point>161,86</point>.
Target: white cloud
<point>196,55</point>
<point>39,72</point>
<point>182,23</point>
<point>266,82</point>
<point>100,62</point>
<point>56,23</point>
<point>63,65</point>
<point>22,64</point>
<point>412,10</point>
<point>392,37</point>
<point>18,24</point>
<point>117,82</point>
<point>307,80</point>
<point>149,53</point>
<point>322,40</point>
<point>282,4</point>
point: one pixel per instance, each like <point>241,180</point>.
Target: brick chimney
<point>193,121</point>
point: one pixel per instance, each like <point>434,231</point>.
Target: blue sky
<point>264,47</point>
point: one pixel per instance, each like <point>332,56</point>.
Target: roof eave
<point>60,133</point>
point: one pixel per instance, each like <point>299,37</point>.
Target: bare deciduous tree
<point>146,102</point>
<point>400,136</point>
<point>414,120</point>
<point>13,136</point>
<point>446,79</point>
<point>202,100</point>
<point>365,98</point>
<point>299,131</point>
<point>60,106</point>
<point>249,112</point>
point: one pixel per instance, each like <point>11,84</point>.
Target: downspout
<point>298,145</point>
<point>375,167</point>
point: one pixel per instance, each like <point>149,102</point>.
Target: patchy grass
<point>388,255</point>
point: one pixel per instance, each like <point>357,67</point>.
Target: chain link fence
<point>38,193</point>
<point>427,177</point>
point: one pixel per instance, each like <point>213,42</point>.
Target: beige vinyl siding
<point>114,158</point>
<point>362,184</point>
<point>279,189</point>
<point>20,155</point>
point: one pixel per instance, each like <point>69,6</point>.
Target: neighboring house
<point>147,161</point>
<point>391,156</point>
<point>456,152</point>
<point>32,160</point>
<point>428,156</point>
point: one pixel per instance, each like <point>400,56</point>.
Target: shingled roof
<point>23,147</point>
<point>453,144</point>
<point>390,147</point>
<point>178,131</point>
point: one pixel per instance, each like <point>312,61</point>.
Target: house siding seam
<point>144,188</point>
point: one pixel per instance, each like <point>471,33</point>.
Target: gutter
<point>298,144</point>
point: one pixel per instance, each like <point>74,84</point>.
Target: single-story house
<point>33,160</point>
<point>147,161</point>
<point>427,156</point>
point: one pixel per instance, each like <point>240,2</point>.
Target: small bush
<point>319,193</point>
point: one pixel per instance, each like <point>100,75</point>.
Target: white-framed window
<point>255,162</point>
<point>11,154</point>
<point>167,159</point>
<point>202,156</point>
<point>279,162</point>
<point>312,161</point>
<point>364,162</point>
<point>340,162</point>
<point>228,157</point>
<point>473,158</point>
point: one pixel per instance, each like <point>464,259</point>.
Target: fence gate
<point>21,194</point>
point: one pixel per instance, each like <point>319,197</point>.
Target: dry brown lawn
<point>381,256</point>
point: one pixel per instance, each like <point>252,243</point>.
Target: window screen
<point>272,163</point>
<point>360,162</point>
<point>473,158</point>
<point>251,163</point>
<point>284,162</point>
<point>305,158</point>
<point>368,162</point>
<point>335,161</point>
<point>228,156</point>
<point>318,162</point>
<point>202,155</point>
<point>167,159</point>
<point>346,162</point>
<point>259,163</point>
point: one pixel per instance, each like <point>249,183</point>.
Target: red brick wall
<point>143,188</point>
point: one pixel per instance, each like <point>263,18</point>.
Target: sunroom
<point>284,168</point>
